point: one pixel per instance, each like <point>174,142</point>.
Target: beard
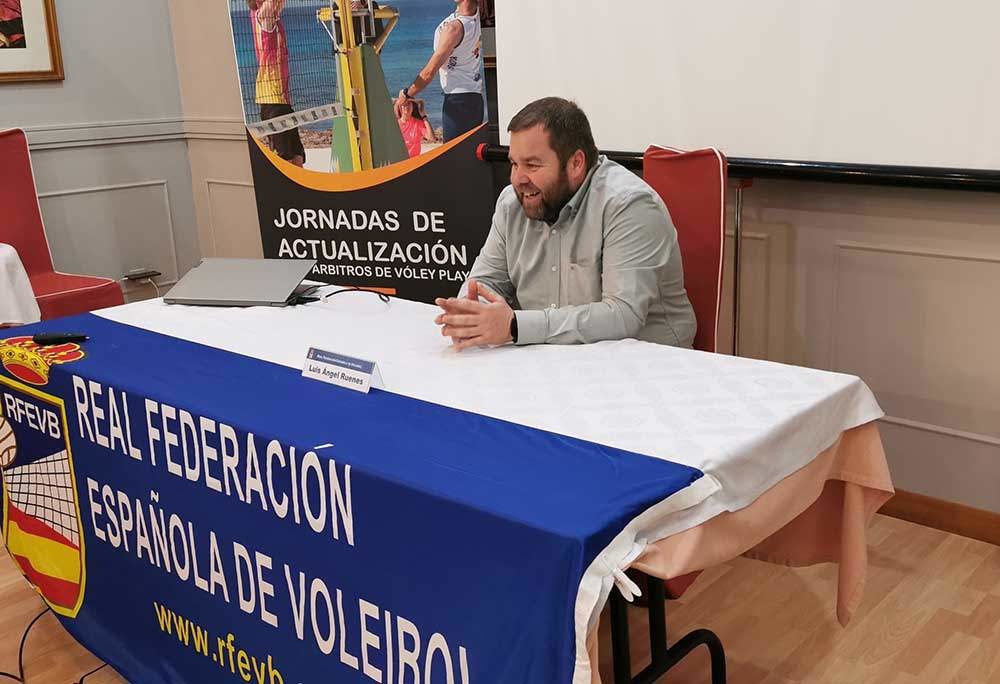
<point>550,200</point>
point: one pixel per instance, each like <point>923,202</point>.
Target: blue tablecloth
<point>196,515</point>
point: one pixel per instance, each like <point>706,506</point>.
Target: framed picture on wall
<point>29,41</point>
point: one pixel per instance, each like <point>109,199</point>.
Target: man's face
<point>540,181</point>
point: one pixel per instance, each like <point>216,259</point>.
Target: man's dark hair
<point>568,127</point>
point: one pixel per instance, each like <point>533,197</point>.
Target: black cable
<point>381,295</point>
<point>96,669</point>
<point>302,297</point>
<point>20,652</point>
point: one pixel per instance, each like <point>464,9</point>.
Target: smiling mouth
<point>531,195</point>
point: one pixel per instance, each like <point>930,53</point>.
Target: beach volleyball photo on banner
<point>323,83</point>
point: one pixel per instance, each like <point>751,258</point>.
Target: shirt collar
<point>580,196</point>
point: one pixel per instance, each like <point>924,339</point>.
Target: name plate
<point>344,371</point>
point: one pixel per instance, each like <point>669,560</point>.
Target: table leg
<point>663,658</point>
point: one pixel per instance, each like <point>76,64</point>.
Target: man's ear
<point>577,170</point>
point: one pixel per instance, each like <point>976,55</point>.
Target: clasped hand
<point>472,323</point>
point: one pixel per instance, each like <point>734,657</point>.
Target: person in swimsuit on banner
<point>580,250</point>
<point>458,59</point>
<point>273,89</point>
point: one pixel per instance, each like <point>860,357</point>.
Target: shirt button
<point>554,269</point>
<point>553,231</point>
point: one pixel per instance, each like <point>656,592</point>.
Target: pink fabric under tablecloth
<point>818,514</point>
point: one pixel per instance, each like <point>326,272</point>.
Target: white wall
<point>140,154</point>
<point>224,199</point>
<point>108,144</point>
<point>897,286</point>
<point>117,57</point>
<point>887,82</point>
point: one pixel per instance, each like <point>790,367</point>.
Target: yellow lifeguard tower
<point>365,132</point>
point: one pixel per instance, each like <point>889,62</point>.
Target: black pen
<point>50,339</point>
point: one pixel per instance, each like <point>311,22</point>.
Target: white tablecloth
<point>747,423</point>
<point>17,301</point>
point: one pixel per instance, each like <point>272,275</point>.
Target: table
<point>608,448</point>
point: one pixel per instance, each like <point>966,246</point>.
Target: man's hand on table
<point>472,323</point>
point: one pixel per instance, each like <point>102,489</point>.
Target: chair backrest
<point>21,225</point>
<point>693,186</point>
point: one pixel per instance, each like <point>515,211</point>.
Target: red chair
<point>693,186</point>
<point>58,294</point>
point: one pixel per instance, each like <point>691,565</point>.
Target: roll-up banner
<point>382,188</point>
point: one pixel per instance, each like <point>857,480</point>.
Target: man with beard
<point>580,250</point>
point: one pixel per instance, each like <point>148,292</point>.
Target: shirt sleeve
<point>639,238</point>
<point>490,268</point>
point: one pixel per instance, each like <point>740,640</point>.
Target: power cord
<point>95,670</point>
<point>143,276</point>
<point>303,296</point>
<point>141,281</point>
<point>381,295</point>
<point>150,281</point>
<point>19,677</point>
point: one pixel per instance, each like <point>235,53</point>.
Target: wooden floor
<point>930,615</point>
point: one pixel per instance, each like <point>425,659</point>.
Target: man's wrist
<point>532,326</point>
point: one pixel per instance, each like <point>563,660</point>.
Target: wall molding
<point>102,188</point>
<point>749,235</point>
<point>103,133</point>
<point>842,246</point>
<point>215,128</point>
<point>948,516</point>
<point>219,181</point>
<point>833,363</point>
<point>941,430</point>
<point>162,183</point>
<point>209,182</point>
<point>917,251</point>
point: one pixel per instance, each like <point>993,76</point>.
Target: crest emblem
<point>30,362</point>
<point>42,528</point>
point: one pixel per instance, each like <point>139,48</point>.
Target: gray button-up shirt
<point>608,269</point>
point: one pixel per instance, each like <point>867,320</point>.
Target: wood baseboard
<point>944,515</point>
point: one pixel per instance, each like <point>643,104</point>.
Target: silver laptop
<point>241,282</point>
